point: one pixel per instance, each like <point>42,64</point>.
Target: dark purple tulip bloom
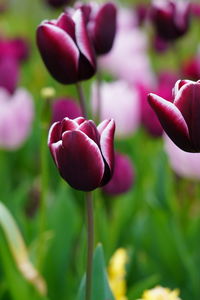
<point>123,176</point>
<point>82,152</point>
<point>101,23</point>
<point>9,74</point>
<point>65,107</point>
<point>66,49</point>
<point>170,18</point>
<point>180,119</point>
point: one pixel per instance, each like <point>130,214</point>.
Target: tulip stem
<point>99,100</point>
<point>81,99</point>
<point>90,235</point>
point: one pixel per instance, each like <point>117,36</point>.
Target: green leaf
<point>100,286</point>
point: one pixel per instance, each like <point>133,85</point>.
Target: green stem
<point>99,100</point>
<point>90,234</point>
<point>81,99</point>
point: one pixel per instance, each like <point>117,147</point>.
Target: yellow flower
<point>117,273</point>
<point>160,293</point>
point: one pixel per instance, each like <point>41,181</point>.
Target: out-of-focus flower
<point>191,68</point>
<point>97,18</point>
<point>160,45</point>
<point>16,48</point>
<point>195,9</point>
<point>65,107</point>
<point>123,176</point>
<point>117,273</point>
<point>180,119</point>
<point>128,59</point>
<point>170,18</point>
<point>142,12</point>
<point>160,293</point>
<point>9,74</point>
<point>183,163</point>
<point>66,49</point>
<point>58,3</point>
<point>48,92</point>
<point>120,102</point>
<point>166,81</point>
<point>16,115</point>
<point>82,152</point>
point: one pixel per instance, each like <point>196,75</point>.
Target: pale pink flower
<point>16,115</point>
<point>119,101</point>
<point>184,164</point>
<point>128,58</point>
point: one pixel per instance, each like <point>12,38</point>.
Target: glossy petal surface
<point>59,53</point>
<point>103,34</point>
<point>80,161</point>
<point>172,121</point>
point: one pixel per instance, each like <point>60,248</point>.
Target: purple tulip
<point>16,115</point>
<point>123,176</point>
<point>66,49</point>
<point>82,152</point>
<point>65,107</point>
<point>180,119</point>
<point>9,74</point>
<point>164,87</point>
<point>170,18</point>
<point>101,24</point>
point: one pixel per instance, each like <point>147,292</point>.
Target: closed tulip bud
<point>180,119</point>
<point>82,152</point>
<point>123,176</point>
<point>65,107</point>
<point>66,49</point>
<point>97,19</point>
<point>170,18</point>
<point>191,68</point>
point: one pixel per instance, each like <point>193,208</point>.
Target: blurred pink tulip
<point>65,107</point>
<point>120,102</point>
<point>183,163</point>
<point>128,58</point>
<point>9,74</point>
<point>123,176</point>
<point>16,117</point>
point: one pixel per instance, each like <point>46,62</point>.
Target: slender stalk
<point>81,99</point>
<point>99,100</point>
<point>45,121</point>
<point>90,234</point>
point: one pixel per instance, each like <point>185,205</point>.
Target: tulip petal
<point>79,120</point>
<point>54,133</point>
<point>102,34</point>
<point>68,124</point>
<point>80,161</point>
<point>188,102</point>
<point>107,130</point>
<point>179,85</point>
<point>82,37</point>
<point>89,128</point>
<point>66,23</point>
<point>59,52</point>
<point>172,121</point>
